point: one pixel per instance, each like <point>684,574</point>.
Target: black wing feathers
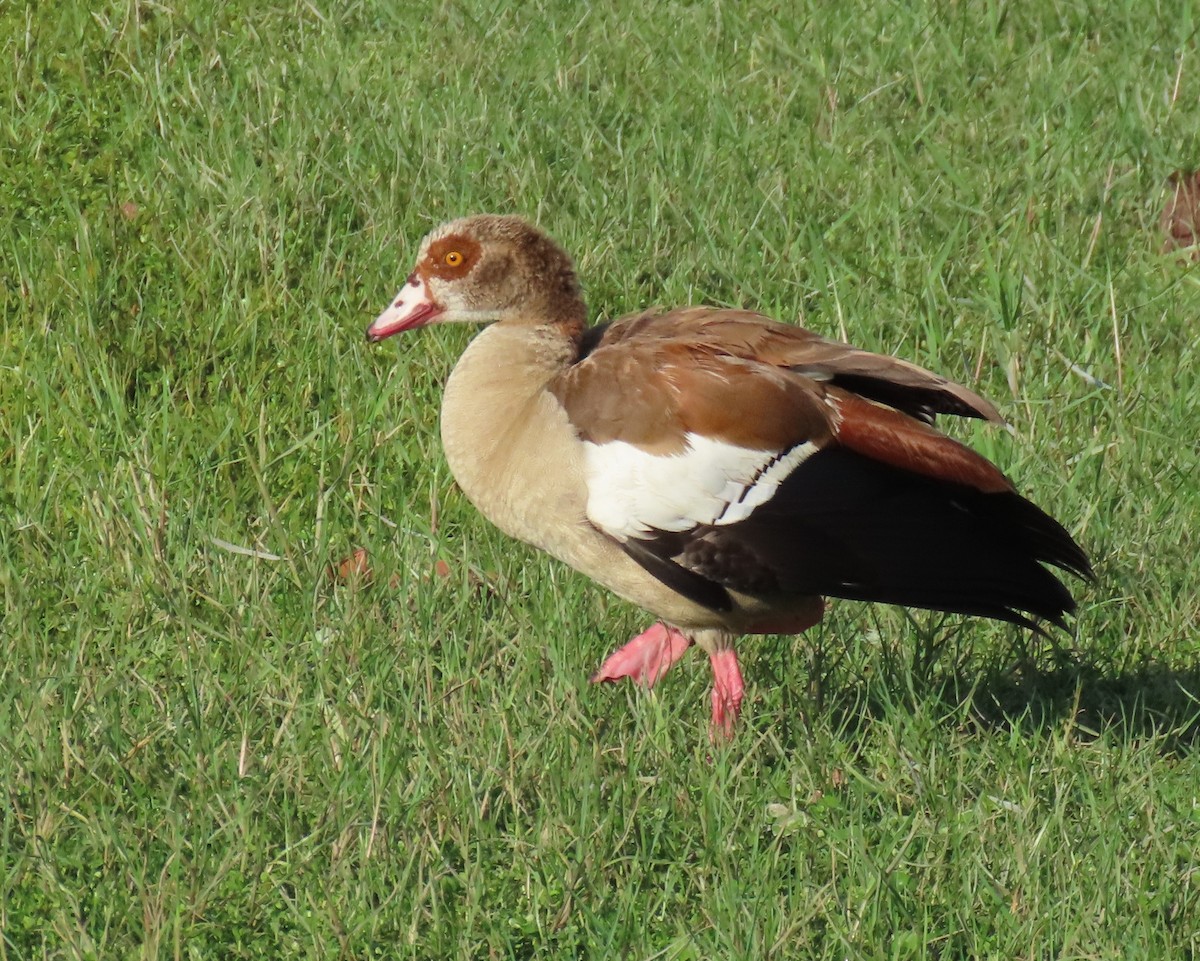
<point>843,525</point>
<point>656,556</point>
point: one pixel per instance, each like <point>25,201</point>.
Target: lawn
<point>214,746</point>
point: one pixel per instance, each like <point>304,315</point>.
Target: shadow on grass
<point>1153,700</point>
<point>1074,692</point>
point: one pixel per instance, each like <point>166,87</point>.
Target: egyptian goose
<point>720,469</point>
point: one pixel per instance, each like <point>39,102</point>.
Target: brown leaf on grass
<point>440,568</point>
<point>129,210</point>
<point>354,567</point>
<point>1180,221</point>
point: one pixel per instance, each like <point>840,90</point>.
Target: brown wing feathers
<point>742,333</point>
<point>653,392</point>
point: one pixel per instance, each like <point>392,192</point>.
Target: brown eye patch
<point>452,257</point>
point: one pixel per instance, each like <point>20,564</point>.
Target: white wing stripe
<point>763,486</point>
<point>631,491</point>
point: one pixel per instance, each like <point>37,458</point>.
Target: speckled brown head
<point>486,268</point>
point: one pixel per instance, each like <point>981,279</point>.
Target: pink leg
<point>727,693</point>
<point>645,658</point>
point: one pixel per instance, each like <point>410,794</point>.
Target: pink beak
<point>413,307</point>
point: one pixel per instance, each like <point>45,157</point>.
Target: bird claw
<point>728,691</point>
<point>646,658</point>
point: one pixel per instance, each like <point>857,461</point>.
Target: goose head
<point>481,269</point>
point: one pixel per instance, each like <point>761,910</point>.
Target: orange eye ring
<point>453,258</point>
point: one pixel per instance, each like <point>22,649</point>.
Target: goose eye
<point>453,258</point>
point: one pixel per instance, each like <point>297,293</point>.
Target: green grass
<point>213,755</point>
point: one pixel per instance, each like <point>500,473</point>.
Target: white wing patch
<point>631,491</point>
